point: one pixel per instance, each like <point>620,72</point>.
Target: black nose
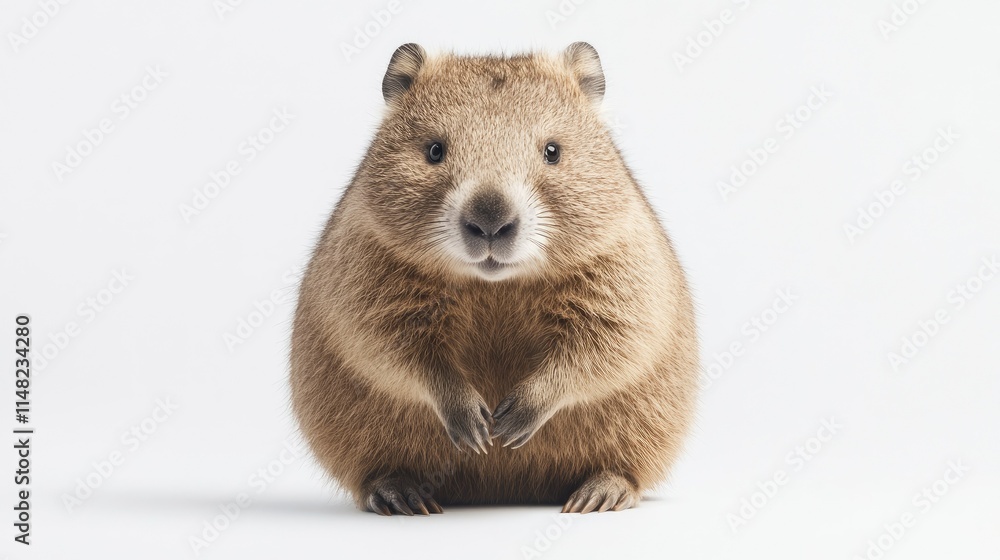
<point>488,216</point>
<point>488,232</point>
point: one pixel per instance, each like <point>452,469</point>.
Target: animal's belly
<point>497,354</point>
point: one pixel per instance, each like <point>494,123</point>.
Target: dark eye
<point>551,153</point>
<point>435,152</point>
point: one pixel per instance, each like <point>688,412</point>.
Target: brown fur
<point>391,339</point>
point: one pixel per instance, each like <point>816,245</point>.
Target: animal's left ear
<point>583,61</point>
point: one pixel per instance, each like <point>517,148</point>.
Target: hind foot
<point>602,492</point>
<point>399,495</point>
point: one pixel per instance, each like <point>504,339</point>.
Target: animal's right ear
<point>403,68</point>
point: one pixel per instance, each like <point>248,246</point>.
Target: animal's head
<point>495,167</point>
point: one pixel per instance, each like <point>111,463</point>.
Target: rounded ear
<point>583,61</point>
<point>403,68</point>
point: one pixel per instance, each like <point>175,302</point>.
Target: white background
<point>681,126</point>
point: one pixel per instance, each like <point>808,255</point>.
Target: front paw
<point>519,416</point>
<point>467,421</point>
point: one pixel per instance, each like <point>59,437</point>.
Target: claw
<point>377,505</point>
<point>607,503</point>
<point>590,505</point>
<point>484,434</point>
<point>520,441</point>
<point>504,407</point>
<point>433,506</point>
<point>624,502</point>
<point>487,415</point>
<point>398,503</point>
<point>568,507</point>
<point>456,442</point>
<point>416,502</point>
<point>505,432</point>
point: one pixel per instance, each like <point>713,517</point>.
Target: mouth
<point>490,265</point>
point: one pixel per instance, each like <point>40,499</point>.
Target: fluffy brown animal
<point>493,273</point>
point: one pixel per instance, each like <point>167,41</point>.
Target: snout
<point>493,229</point>
<point>489,227</point>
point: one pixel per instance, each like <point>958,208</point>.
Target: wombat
<point>493,313</point>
